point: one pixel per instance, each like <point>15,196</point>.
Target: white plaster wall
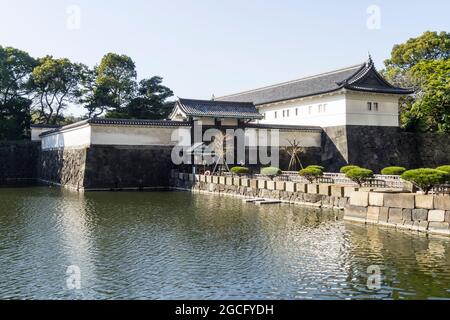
<point>229,122</point>
<point>35,132</point>
<point>132,135</point>
<point>70,138</point>
<point>284,137</point>
<point>333,114</point>
<point>358,113</point>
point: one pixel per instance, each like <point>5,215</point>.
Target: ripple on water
<point>184,246</point>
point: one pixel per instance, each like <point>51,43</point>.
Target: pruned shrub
<point>316,167</point>
<point>240,170</point>
<point>359,175</point>
<point>311,173</point>
<point>425,179</point>
<point>348,168</point>
<point>393,171</point>
<point>444,168</point>
<point>271,171</point>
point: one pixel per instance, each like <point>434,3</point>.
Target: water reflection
<point>183,246</point>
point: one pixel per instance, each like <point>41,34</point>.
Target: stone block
<point>424,201</point>
<point>245,182</point>
<point>384,214</point>
<point>181,176</point>
<point>359,198</point>
<point>355,212</point>
<point>291,187</point>
<point>422,225</point>
<point>254,183</point>
<point>399,200</point>
<point>270,185</point>
<point>325,189</point>
<point>191,177</point>
<point>376,199</point>
<point>442,203</point>
<point>313,188</point>
<point>280,185</point>
<point>436,216</point>
<point>395,215</point>
<point>237,181</point>
<point>349,190</point>
<point>447,216</point>
<point>373,213</point>
<point>407,215</point>
<point>420,214</point>
<point>302,187</point>
<point>442,228</point>
<point>262,184</point>
<point>229,181</point>
<point>222,180</point>
<point>337,191</point>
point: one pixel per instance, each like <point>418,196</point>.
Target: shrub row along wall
<point>425,213</point>
<point>18,161</point>
<point>317,195</point>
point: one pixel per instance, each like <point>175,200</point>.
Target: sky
<point>203,47</point>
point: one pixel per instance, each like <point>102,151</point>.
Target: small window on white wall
<point>375,106</point>
<point>320,108</point>
<point>325,107</point>
<point>369,106</point>
<point>296,111</point>
<point>310,109</point>
<point>276,114</point>
<point>287,113</point>
<point>284,113</point>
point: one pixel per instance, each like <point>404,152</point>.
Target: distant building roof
<point>362,77</point>
<point>218,109</point>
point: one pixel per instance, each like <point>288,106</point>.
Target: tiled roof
<point>362,77</point>
<point>218,109</point>
<point>121,122</point>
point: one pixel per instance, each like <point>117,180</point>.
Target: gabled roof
<point>362,77</point>
<point>218,109</point>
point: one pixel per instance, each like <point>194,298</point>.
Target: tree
<point>402,70</point>
<point>55,83</point>
<point>15,70</point>
<point>149,103</point>
<point>115,83</point>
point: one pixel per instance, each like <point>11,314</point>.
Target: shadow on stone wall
<point>18,161</point>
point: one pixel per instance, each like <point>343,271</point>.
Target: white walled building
<point>354,96</point>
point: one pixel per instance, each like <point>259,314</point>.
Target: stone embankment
<point>415,212</point>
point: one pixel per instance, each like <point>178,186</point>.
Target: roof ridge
<point>294,81</point>
<point>216,101</point>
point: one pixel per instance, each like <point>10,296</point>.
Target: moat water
<point>176,245</point>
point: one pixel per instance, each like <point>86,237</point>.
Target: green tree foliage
<point>55,83</point>
<point>423,63</point>
<point>239,170</point>
<point>345,169</point>
<point>271,171</point>
<point>425,179</point>
<point>311,173</point>
<point>15,69</point>
<point>149,103</point>
<point>393,171</point>
<point>359,175</point>
<point>444,168</point>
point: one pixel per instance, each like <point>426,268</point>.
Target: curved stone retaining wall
<point>425,213</point>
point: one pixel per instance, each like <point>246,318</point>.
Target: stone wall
<point>65,167</point>
<point>122,167</point>
<point>316,195</point>
<point>379,147</point>
<point>18,161</point>
<point>416,212</point>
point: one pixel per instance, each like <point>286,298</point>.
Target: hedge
<point>359,175</point>
<point>239,170</point>
<point>271,171</point>
<point>425,179</point>
<point>444,168</point>
<point>311,173</point>
<point>393,171</point>
<point>316,167</point>
<point>348,168</point>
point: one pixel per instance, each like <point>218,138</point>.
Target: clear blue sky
<point>203,47</point>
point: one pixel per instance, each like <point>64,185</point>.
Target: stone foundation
<point>415,212</point>
<point>18,162</point>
